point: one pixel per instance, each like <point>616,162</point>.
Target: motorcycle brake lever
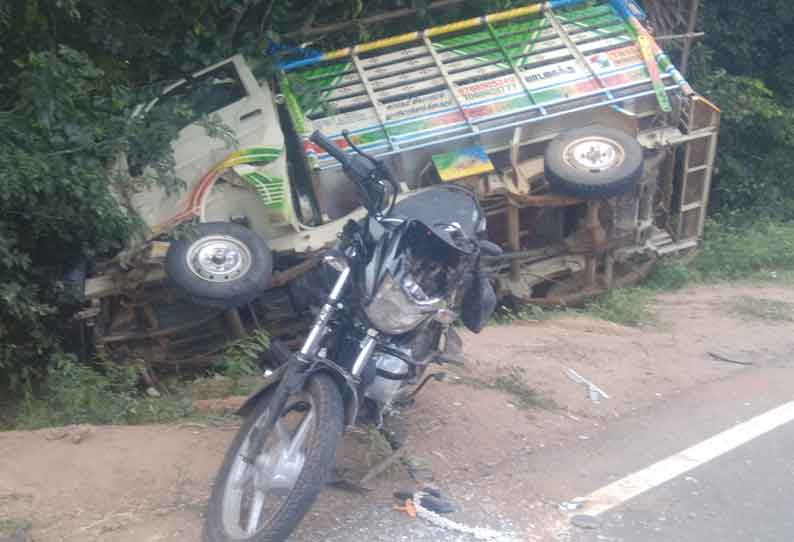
<point>346,135</point>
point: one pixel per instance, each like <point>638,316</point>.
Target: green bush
<point>241,359</point>
<point>747,73</point>
<point>670,274</point>
<point>625,306</point>
<point>57,142</point>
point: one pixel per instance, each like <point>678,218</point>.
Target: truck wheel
<point>593,163</point>
<point>224,265</point>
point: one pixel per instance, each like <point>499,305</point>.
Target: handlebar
<point>369,174</point>
<point>328,146</point>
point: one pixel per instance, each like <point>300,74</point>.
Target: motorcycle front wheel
<point>261,496</point>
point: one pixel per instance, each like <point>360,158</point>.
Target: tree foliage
<point>743,65</point>
<point>73,71</point>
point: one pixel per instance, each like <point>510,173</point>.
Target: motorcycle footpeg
<point>408,400</point>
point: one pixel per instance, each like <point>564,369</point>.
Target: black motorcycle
<point>399,279</point>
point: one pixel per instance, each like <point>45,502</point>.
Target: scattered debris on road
<point>415,507</point>
<point>430,498</point>
<point>570,506</point>
<point>585,522</point>
<point>720,357</point>
<point>595,393</point>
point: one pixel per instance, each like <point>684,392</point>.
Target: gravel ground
<point>382,524</point>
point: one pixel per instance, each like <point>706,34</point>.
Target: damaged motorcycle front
<point>398,280</point>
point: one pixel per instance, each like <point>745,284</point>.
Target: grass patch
<point>506,315</point>
<point>512,382</point>
<point>626,306</point>
<point>378,447</point>
<point>101,394</point>
<point>762,251</point>
<point>523,396</point>
<point>104,393</point>
<point>629,306</point>
<point>762,309</point>
<point>217,386</point>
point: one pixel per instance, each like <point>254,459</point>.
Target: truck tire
<point>593,163</point>
<point>223,265</point>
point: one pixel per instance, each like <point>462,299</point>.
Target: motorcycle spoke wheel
<point>261,495</point>
<point>261,481</point>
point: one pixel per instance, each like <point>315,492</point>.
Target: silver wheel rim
<point>254,493</point>
<point>218,258</point>
<point>594,154</point>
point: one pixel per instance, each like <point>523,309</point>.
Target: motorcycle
<point>399,279</point>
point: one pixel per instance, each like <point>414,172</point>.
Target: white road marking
<point>657,474</point>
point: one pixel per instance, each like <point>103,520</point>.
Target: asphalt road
<point>744,494</point>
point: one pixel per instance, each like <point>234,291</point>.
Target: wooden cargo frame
<point>562,35</point>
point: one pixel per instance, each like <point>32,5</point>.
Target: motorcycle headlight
<point>399,307</point>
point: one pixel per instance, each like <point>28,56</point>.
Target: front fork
<point>297,371</point>
<point>320,327</point>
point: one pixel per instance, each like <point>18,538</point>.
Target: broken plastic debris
<point>568,506</point>
<point>585,522</point>
<point>594,392</point>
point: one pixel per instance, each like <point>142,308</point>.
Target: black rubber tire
<point>320,459</point>
<point>571,181</point>
<point>221,295</point>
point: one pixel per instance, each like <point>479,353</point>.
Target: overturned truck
<point>589,151</point>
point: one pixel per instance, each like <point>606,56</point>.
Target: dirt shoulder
<point>468,434</point>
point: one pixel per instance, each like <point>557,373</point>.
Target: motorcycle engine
<point>390,374</point>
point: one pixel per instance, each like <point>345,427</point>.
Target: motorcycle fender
<point>273,380</point>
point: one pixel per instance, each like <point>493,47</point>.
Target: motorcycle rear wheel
<point>265,501</point>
